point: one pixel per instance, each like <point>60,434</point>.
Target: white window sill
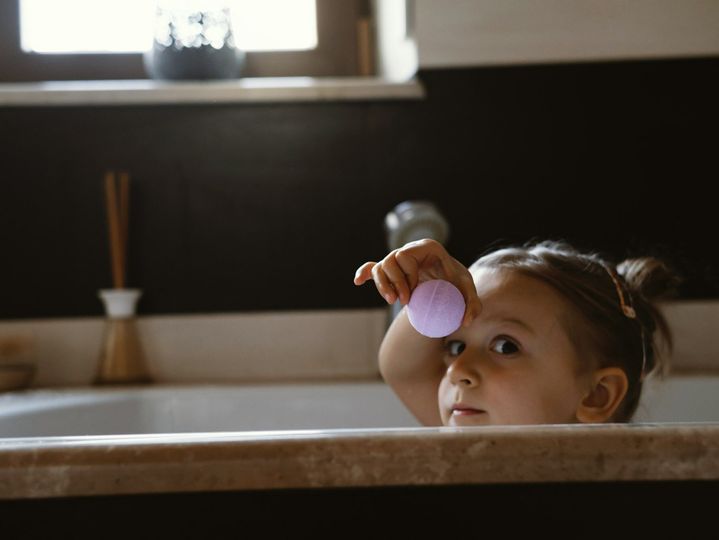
<point>248,90</point>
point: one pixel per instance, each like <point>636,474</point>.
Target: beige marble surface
<point>82,466</point>
<point>253,347</point>
<point>221,347</point>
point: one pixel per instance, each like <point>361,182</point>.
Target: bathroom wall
<point>273,206</point>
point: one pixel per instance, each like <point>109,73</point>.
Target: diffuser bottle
<point>121,359</point>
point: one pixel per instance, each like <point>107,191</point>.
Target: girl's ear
<point>609,386</point>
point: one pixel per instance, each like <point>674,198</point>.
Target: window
<point>105,39</point>
<point>125,26</point>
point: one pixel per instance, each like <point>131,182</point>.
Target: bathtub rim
<point>105,465</point>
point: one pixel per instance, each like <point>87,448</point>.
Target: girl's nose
<point>463,372</point>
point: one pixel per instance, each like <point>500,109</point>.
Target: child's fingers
<point>374,271</point>
<point>472,311</point>
<point>382,282</point>
<point>428,254</point>
<point>364,273</point>
<point>473,305</point>
<point>396,276</point>
<point>410,268</point>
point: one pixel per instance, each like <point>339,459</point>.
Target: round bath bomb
<point>436,308</point>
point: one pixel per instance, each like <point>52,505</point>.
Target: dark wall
<point>587,510</point>
<point>273,206</point>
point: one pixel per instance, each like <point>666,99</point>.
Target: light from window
<point>125,26</point>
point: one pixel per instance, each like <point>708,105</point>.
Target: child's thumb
<point>472,310</point>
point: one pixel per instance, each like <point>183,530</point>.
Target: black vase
<point>193,45</point>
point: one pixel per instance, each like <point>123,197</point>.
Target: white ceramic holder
<point>120,303</point>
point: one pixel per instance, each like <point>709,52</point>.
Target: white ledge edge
<point>248,90</point>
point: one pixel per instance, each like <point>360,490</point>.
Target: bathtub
<point>200,408</point>
<point>225,408</point>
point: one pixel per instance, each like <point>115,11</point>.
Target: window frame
<point>336,54</point>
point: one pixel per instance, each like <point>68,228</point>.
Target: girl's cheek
<point>444,399</point>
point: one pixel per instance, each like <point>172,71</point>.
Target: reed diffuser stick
<point>117,221</point>
<point>124,213</point>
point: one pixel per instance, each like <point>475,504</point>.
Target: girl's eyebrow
<point>512,320</point>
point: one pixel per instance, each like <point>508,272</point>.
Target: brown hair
<point>598,289</point>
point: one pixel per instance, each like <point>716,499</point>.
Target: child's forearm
<point>412,365</point>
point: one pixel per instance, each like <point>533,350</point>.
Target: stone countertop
<point>193,462</point>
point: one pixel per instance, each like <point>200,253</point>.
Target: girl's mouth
<point>460,410</point>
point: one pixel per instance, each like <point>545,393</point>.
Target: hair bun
<point>651,278</point>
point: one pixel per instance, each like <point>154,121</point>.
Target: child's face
<point>515,364</point>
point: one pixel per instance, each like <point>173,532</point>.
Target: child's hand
<point>403,269</point>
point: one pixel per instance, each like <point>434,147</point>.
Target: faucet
<point>410,221</point>
<point>414,220</point>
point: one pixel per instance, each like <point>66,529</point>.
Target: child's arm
<point>411,363</point>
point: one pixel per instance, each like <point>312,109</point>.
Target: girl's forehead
<point>513,291</point>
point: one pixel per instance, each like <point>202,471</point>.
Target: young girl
<point>550,335</point>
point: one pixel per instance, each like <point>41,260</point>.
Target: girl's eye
<point>504,346</point>
<point>455,348</point>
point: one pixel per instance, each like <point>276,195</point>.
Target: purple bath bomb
<point>436,308</point>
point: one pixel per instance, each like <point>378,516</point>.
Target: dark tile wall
<point>682,509</point>
<point>273,206</point>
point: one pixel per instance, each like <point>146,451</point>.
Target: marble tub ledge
<point>236,461</point>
